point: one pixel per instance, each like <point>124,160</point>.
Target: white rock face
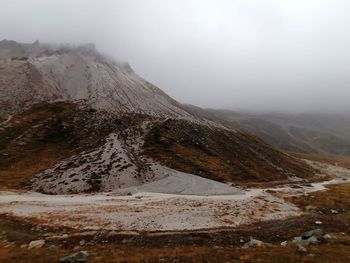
<point>77,73</point>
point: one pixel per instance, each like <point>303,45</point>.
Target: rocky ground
<point>316,230</point>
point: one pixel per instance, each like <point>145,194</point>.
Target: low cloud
<point>254,55</point>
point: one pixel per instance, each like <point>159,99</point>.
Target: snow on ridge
<point>82,73</point>
<point>105,86</point>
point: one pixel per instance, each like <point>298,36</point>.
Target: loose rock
<point>254,243</point>
<point>36,244</point>
<point>284,243</point>
<point>309,237</point>
<point>301,248</point>
<point>313,233</point>
<point>327,236</point>
<point>79,257</point>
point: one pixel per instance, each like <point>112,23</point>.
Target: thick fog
<point>271,55</point>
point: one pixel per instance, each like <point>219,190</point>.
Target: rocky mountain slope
<point>76,121</point>
<point>76,73</point>
<point>323,134</point>
<point>222,155</point>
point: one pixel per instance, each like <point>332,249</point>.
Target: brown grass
<point>210,246</point>
<point>343,161</point>
<point>17,174</point>
<point>220,154</point>
<point>38,138</point>
<point>337,197</point>
<point>334,251</point>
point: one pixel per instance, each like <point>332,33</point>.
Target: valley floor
<point>154,227</point>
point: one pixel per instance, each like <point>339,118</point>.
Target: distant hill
<point>304,133</point>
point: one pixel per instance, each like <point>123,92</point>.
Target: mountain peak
<point>70,72</point>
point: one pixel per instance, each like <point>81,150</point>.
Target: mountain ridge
<point>76,121</point>
<point>82,73</point>
<point>308,133</point>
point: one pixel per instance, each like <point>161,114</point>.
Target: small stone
<point>79,257</point>
<point>297,240</point>
<point>36,244</point>
<point>284,243</point>
<point>253,243</point>
<point>318,223</point>
<point>301,248</point>
<point>327,236</point>
<point>82,242</point>
<point>310,208</point>
<point>334,212</point>
<point>312,240</point>
<point>316,233</point>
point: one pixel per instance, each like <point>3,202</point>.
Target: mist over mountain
<point>308,133</point>
<point>288,56</point>
<point>174,131</point>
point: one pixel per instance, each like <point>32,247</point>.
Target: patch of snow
<point>146,211</point>
<point>183,184</point>
<point>149,211</point>
<point>330,170</point>
<point>112,166</point>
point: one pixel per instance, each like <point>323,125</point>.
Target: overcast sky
<point>274,55</point>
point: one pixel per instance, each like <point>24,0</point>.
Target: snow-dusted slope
<point>78,73</point>
<point>98,126</point>
<point>117,164</point>
<point>22,85</point>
